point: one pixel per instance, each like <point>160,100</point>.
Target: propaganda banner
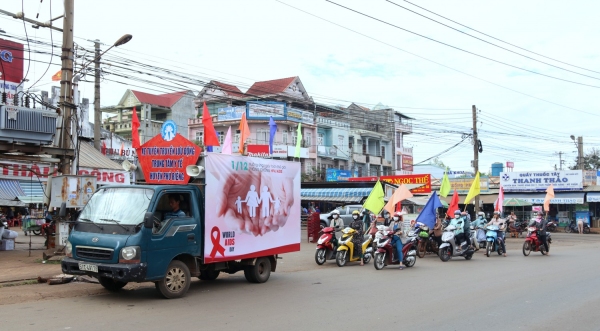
<point>252,207</point>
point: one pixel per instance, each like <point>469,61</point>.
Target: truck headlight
<point>68,249</point>
<point>130,254</point>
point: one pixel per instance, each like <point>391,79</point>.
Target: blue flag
<point>428,215</point>
<point>273,127</point>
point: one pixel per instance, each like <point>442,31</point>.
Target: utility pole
<point>97,111</point>
<point>475,153</point>
<point>561,160</point>
<point>580,153</point>
<point>66,88</point>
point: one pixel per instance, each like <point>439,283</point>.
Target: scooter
<point>494,242</point>
<point>551,227</point>
<point>422,233</point>
<point>572,227</point>
<point>385,254</point>
<point>345,251</point>
<point>533,243</point>
<point>325,248</point>
<point>448,249</point>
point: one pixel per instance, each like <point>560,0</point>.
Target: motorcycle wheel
<point>379,263</point>
<point>410,261</point>
<point>542,250</point>
<point>526,248</point>
<point>567,229</point>
<point>488,249</point>
<point>340,258</point>
<point>367,259</point>
<point>444,254</point>
<point>320,256</point>
<point>586,230</point>
<point>468,257</point>
<point>421,250</point>
<point>38,232</point>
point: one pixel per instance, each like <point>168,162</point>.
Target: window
<point>342,167</point>
<point>340,141</point>
<point>199,136</point>
<point>262,136</point>
<point>398,140</point>
<point>364,148</point>
<point>284,137</point>
<point>398,162</point>
<point>383,152</point>
<point>350,144</point>
<point>308,167</point>
<point>360,173</point>
<point>161,117</point>
<point>308,139</point>
<point>236,138</point>
<point>221,136</point>
<point>320,139</point>
<point>294,136</point>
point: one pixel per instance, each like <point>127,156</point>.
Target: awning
<point>10,189</point>
<point>32,187</point>
<point>593,197</point>
<point>31,199</point>
<point>485,198</point>
<point>335,194</point>
<point>560,198</point>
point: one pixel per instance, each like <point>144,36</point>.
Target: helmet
<point>399,214</point>
<point>481,213</point>
<point>335,211</point>
<point>496,213</point>
<point>457,212</point>
<point>539,213</point>
<point>356,212</point>
<point>464,213</point>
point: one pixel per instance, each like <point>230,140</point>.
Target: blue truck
<point>130,233</point>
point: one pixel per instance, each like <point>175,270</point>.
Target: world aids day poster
<point>252,207</point>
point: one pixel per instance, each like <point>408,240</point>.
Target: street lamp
<point>579,146</point>
<point>121,41</point>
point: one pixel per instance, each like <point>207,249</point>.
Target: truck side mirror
<point>149,220</point>
<point>63,210</point>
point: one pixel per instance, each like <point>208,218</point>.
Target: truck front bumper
<point>135,272</point>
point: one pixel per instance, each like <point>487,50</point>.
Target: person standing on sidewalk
<point>580,225</point>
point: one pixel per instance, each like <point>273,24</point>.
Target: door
<point>178,232</point>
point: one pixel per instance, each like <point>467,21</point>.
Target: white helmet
<point>335,211</point>
<point>481,213</point>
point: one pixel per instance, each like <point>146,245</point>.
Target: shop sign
<point>407,162</point>
<point>463,185</point>
<point>258,110</point>
<point>164,158</point>
<point>280,151</point>
<point>259,151</point>
<point>337,175</point>
<point>107,176</point>
<point>562,180</point>
<point>230,113</point>
<point>424,179</point>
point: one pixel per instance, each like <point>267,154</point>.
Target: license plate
<point>88,267</point>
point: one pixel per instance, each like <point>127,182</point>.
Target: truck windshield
<point>127,206</point>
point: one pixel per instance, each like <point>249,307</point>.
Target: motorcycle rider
<point>357,239</point>
<point>467,226</point>
<point>396,226</point>
<point>387,218</point>
<point>500,223</point>
<point>459,232</point>
<point>479,224</point>
<point>337,223</point>
<point>541,223</point>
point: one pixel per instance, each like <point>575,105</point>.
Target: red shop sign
<point>164,162</point>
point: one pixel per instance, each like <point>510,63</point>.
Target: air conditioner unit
<point>26,125</point>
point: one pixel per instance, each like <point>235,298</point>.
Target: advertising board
<point>255,208</point>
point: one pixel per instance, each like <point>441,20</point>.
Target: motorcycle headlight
<point>68,249</point>
<point>130,254</point>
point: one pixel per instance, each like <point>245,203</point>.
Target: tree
<point>591,160</point>
<point>313,175</point>
<point>439,163</point>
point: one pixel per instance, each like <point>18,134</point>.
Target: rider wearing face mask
<point>500,223</point>
<point>479,224</point>
<point>396,226</point>
<point>387,219</point>
<point>459,232</point>
<point>541,225</point>
<point>337,223</point>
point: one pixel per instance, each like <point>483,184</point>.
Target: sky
<point>527,110</point>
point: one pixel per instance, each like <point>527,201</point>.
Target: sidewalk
<point>25,263</point>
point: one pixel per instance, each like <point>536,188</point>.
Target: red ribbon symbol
<point>216,241</point>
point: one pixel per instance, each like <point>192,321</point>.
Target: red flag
<point>57,76</point>
<point>453,205</point>
<point>135,125</point>
<point>500,201</point>
<point>210,135</point>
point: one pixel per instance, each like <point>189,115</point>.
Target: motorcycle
<point>494,242</point>
<point>533,243</point>
<point>572,227</point>
<point>345,251</point>
<point>552,226</point>
<point>448,249</point>
<point>385,254</point>
<point>423,240</point>
<point>325,248</point>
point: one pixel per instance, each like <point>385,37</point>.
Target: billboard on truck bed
<point>252,207</point>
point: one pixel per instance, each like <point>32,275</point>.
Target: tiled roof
<point>164,100</point>
<point>231,90</point>
<point>270,86</point>
<point>90,157</point>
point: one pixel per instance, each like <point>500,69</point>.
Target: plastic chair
<point>15,222</point>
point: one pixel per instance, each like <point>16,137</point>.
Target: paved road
<point>497,293</point>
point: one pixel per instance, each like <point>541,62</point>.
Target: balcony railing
<point>333,152</point>
<point>404,127</point>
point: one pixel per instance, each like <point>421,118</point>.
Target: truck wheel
<point>209,274</point>
<point>111,284</point>
<point>176,282</point>
<point>259,272</point>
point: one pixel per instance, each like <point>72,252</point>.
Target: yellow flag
<point>375,201</point>
<point>474,190</point>
<point>445,187</point>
